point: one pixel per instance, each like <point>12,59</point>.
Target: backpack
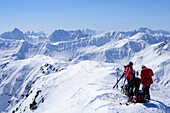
<point>140,97</point>
<point>125,89</point>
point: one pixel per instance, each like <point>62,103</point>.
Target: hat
<point>130,63</point>
<point>143,66</point>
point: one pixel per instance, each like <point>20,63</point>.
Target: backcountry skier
<point>146,80</point>
<point>129,77</point>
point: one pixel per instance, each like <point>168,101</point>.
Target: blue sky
<point>102,15</point>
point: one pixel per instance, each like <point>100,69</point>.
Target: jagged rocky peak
<point>59,35</point>
<point>41,33</point>
<point>15,34</point>
<point>144,29</point>
<point>162,47</point>
<point>77,34</point>
<point>89,32</point>
<point>62,35</point>
<point>153,32</point>
<point>16,30</point>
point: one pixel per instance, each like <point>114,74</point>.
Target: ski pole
<point>118,81</point>
<point>117,71</point>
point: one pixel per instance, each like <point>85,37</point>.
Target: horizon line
<point>25,31</point>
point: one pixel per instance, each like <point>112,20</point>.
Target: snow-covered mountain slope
<point>78,72</point>
<point>35,38</point>
<point>83,87</point>
<point>156,57</point>
<point>132,49</point>
<point>17,77</point>
<point>20,49</point>
<point>154,32</point>
<point>119,49</point>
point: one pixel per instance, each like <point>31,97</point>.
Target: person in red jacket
<point>129,77</point>
<point>129,71</point>
<point>146,80</point>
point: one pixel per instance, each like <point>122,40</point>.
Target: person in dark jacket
<point>146,80</point>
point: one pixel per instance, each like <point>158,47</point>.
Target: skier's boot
<point>134,99</point>
<point>146,98</point>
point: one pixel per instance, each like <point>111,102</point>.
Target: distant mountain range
<point>56,36</point>
<point>63,35</point>
<point>122,44</point>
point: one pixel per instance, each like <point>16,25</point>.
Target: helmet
<point>130,63</point>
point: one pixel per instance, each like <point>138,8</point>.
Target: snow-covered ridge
<point>19,76</point>
<point>83,87</point>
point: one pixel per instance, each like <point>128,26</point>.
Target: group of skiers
<point>134,82</point>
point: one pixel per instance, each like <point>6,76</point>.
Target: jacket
<point>146,76</point>
<point>129,72</point>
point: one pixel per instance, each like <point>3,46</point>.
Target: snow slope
<point>18,76</point>
<point>156,57</point>
<point>86,87</point>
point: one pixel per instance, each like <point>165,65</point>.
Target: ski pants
<point>130,83</point>
<point>146,91</point>
<point>137,85</point>
<point>133,82</point>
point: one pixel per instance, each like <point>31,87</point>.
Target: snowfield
<point>86,87</point>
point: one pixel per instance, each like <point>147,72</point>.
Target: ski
<point>126,103</point>
<point>118,81</point>
<point>117,70</point>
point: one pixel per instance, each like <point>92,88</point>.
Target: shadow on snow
<point>160,105</point>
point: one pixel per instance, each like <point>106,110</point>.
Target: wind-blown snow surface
<point>85,87</point>
<point>77,75</point>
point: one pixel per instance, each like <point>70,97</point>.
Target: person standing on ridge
<point>129,77</point>
<point>146,80</point>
